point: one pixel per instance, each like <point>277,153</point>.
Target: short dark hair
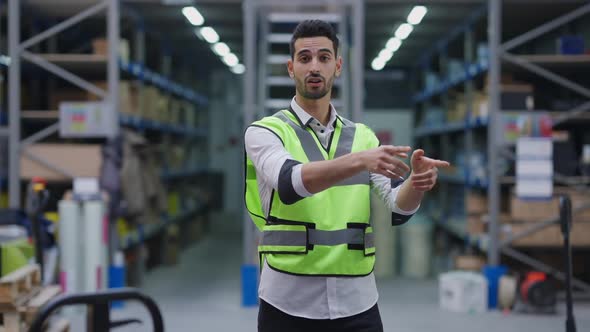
<point>314,28</point>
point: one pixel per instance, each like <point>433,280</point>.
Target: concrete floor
<point>202,293</point>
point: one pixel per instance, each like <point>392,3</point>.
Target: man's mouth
<point>314,81</point>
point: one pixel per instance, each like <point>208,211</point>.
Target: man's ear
<point>290,68</point>
<point>338,66</point>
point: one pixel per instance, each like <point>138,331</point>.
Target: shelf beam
<point>543,29</point>
<point>578,110</point>
<point>66,75</point>
<point>65,24</point>
<point>522,62</point>
<point>40,135</point>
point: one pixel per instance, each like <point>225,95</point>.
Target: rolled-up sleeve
<point>387,190</point>
<point>274,165</point>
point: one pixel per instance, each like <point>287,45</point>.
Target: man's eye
<point>304,59</point>
<point>325,58</point>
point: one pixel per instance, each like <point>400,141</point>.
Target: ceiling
<point>381,19</point>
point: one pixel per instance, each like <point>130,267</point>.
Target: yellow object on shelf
<point>173,203</point>
<point>3,200</point>
<point>52,216</point>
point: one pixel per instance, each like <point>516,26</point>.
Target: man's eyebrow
<point>303,51</point>
<point>308,51</point>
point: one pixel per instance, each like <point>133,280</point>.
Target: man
<point>309,173</point>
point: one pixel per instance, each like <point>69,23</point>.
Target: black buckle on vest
<point>271,220</point>
<point>357,225</point>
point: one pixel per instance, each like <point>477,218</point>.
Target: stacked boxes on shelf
<point>525,213</point>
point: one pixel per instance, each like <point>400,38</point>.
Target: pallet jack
<point>565,212</point>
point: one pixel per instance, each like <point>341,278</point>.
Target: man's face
<point>314,66</point>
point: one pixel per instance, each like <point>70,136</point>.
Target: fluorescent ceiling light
<point>377,64</point>
<point>209,34</point>
<point>416,15</point>
<point>230,60</point>
<point>403,31</point>
<point>385,55</point>
<point>238,69</point>
<point>221,49</point>
<point>193,16</point>
<point>393,44</point>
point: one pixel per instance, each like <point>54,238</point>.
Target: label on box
<point>87,119</point>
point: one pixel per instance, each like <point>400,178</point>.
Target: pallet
<point>21,297</point>
<point>20,318</point>
<point>19,284</point>
<point>15,323</point>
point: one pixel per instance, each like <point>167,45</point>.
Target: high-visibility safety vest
<point>326,234</point>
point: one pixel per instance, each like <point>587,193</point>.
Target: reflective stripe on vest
<point>297,238</point>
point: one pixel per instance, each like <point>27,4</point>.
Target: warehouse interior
<point>122,158</point>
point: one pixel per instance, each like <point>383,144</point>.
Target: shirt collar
<point>306,118</point>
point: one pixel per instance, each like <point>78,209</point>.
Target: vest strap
<point>298,238</point>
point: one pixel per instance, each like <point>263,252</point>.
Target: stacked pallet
<point>21,297</point>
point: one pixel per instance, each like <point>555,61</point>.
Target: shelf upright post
<point>445,142</point>
<point>357,71</point>
<point>468,46</point>
<point>14,103</point>
<point>113,40</point>
<point>494,137</point>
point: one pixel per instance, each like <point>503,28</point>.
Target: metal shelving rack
<point>72,68</point>
<point>545,66</point>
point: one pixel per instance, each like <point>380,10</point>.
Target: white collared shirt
<point>309,296</point>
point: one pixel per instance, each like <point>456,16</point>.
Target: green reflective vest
<point>328,233</point>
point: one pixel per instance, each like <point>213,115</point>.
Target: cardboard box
<point>148,100</point>
<point>533,211</point>
<point>163,108</point>
<point>469,263</point>
<point>551,236</point>
<point>101,46</point>
<point>476,203</point>
<point>128,96</point>
<point>80,160</point>
<point>476,225</point>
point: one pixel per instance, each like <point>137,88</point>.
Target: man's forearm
<point>408,199</point>
<point>321,175</point>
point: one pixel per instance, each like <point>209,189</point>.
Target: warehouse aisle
<point>202,293</point>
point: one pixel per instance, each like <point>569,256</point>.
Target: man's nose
<point>315,68</point>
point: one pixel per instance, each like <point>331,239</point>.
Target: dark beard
<point>314,94</point>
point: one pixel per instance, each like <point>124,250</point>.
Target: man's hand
<point>424,171</point>
<point>384,160</point>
